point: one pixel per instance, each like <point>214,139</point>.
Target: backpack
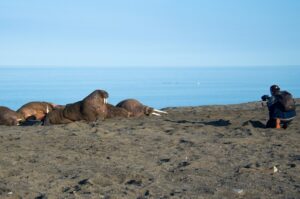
<point>285,99</point>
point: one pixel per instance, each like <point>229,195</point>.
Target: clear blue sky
<point>149,33</point>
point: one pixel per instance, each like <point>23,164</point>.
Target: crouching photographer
<point>282,108</point>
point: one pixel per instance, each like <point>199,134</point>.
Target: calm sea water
<point>157,87</point>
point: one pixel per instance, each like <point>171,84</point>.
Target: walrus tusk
<point>155,114</point>
<point>47,110</point>
<point>159,111</point>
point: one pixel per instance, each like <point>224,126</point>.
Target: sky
<point>149,32</point>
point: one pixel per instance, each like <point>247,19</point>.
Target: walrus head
<point>151,111</point>
<point>97,96</point>
<point>148,110</point>
<point>19,121</point>
<point>104,95</point>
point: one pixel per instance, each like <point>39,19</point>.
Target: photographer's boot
<point>278,123</point>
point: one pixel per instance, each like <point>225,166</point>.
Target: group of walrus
<point>91,108</point>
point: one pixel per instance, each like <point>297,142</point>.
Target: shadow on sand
<point>217,123</point>
<point>255,124</point>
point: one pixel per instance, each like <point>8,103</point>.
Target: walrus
<point>37,110</point>
<point>137,109</point>
<point>113,111</point>
<point>9,117</point>
<point>91,108</point>
<point>56,116</point>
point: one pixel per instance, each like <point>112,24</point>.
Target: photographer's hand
<point>265,97</point>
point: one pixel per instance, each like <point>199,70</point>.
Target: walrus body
<point>91,108</point>
<point>56,116</point>
<point>9,117</point>
<point>137,109</point>
<point>37,110</point>
<point>113,111</point>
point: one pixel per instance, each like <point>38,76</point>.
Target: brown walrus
<point>56,116</point>
<point>38,110</point>
<point>91,108</point>
<point>137,109</point>
<point>113,111</point>
<point>9,117</point>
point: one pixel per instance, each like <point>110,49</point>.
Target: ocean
<point>158,87</point>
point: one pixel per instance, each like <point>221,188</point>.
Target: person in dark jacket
<point>282,109</point>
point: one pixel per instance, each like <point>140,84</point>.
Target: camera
<point>265,97</point>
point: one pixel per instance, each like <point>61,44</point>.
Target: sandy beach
<point>193,152</point>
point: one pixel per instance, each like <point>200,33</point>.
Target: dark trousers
<point>272,123</point>
<point>275,111</point>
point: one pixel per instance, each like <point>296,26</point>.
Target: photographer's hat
<point>274,89</point>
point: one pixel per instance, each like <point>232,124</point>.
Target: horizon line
<point>146,66</point>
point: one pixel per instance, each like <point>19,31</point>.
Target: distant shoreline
<point>137,66</point>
